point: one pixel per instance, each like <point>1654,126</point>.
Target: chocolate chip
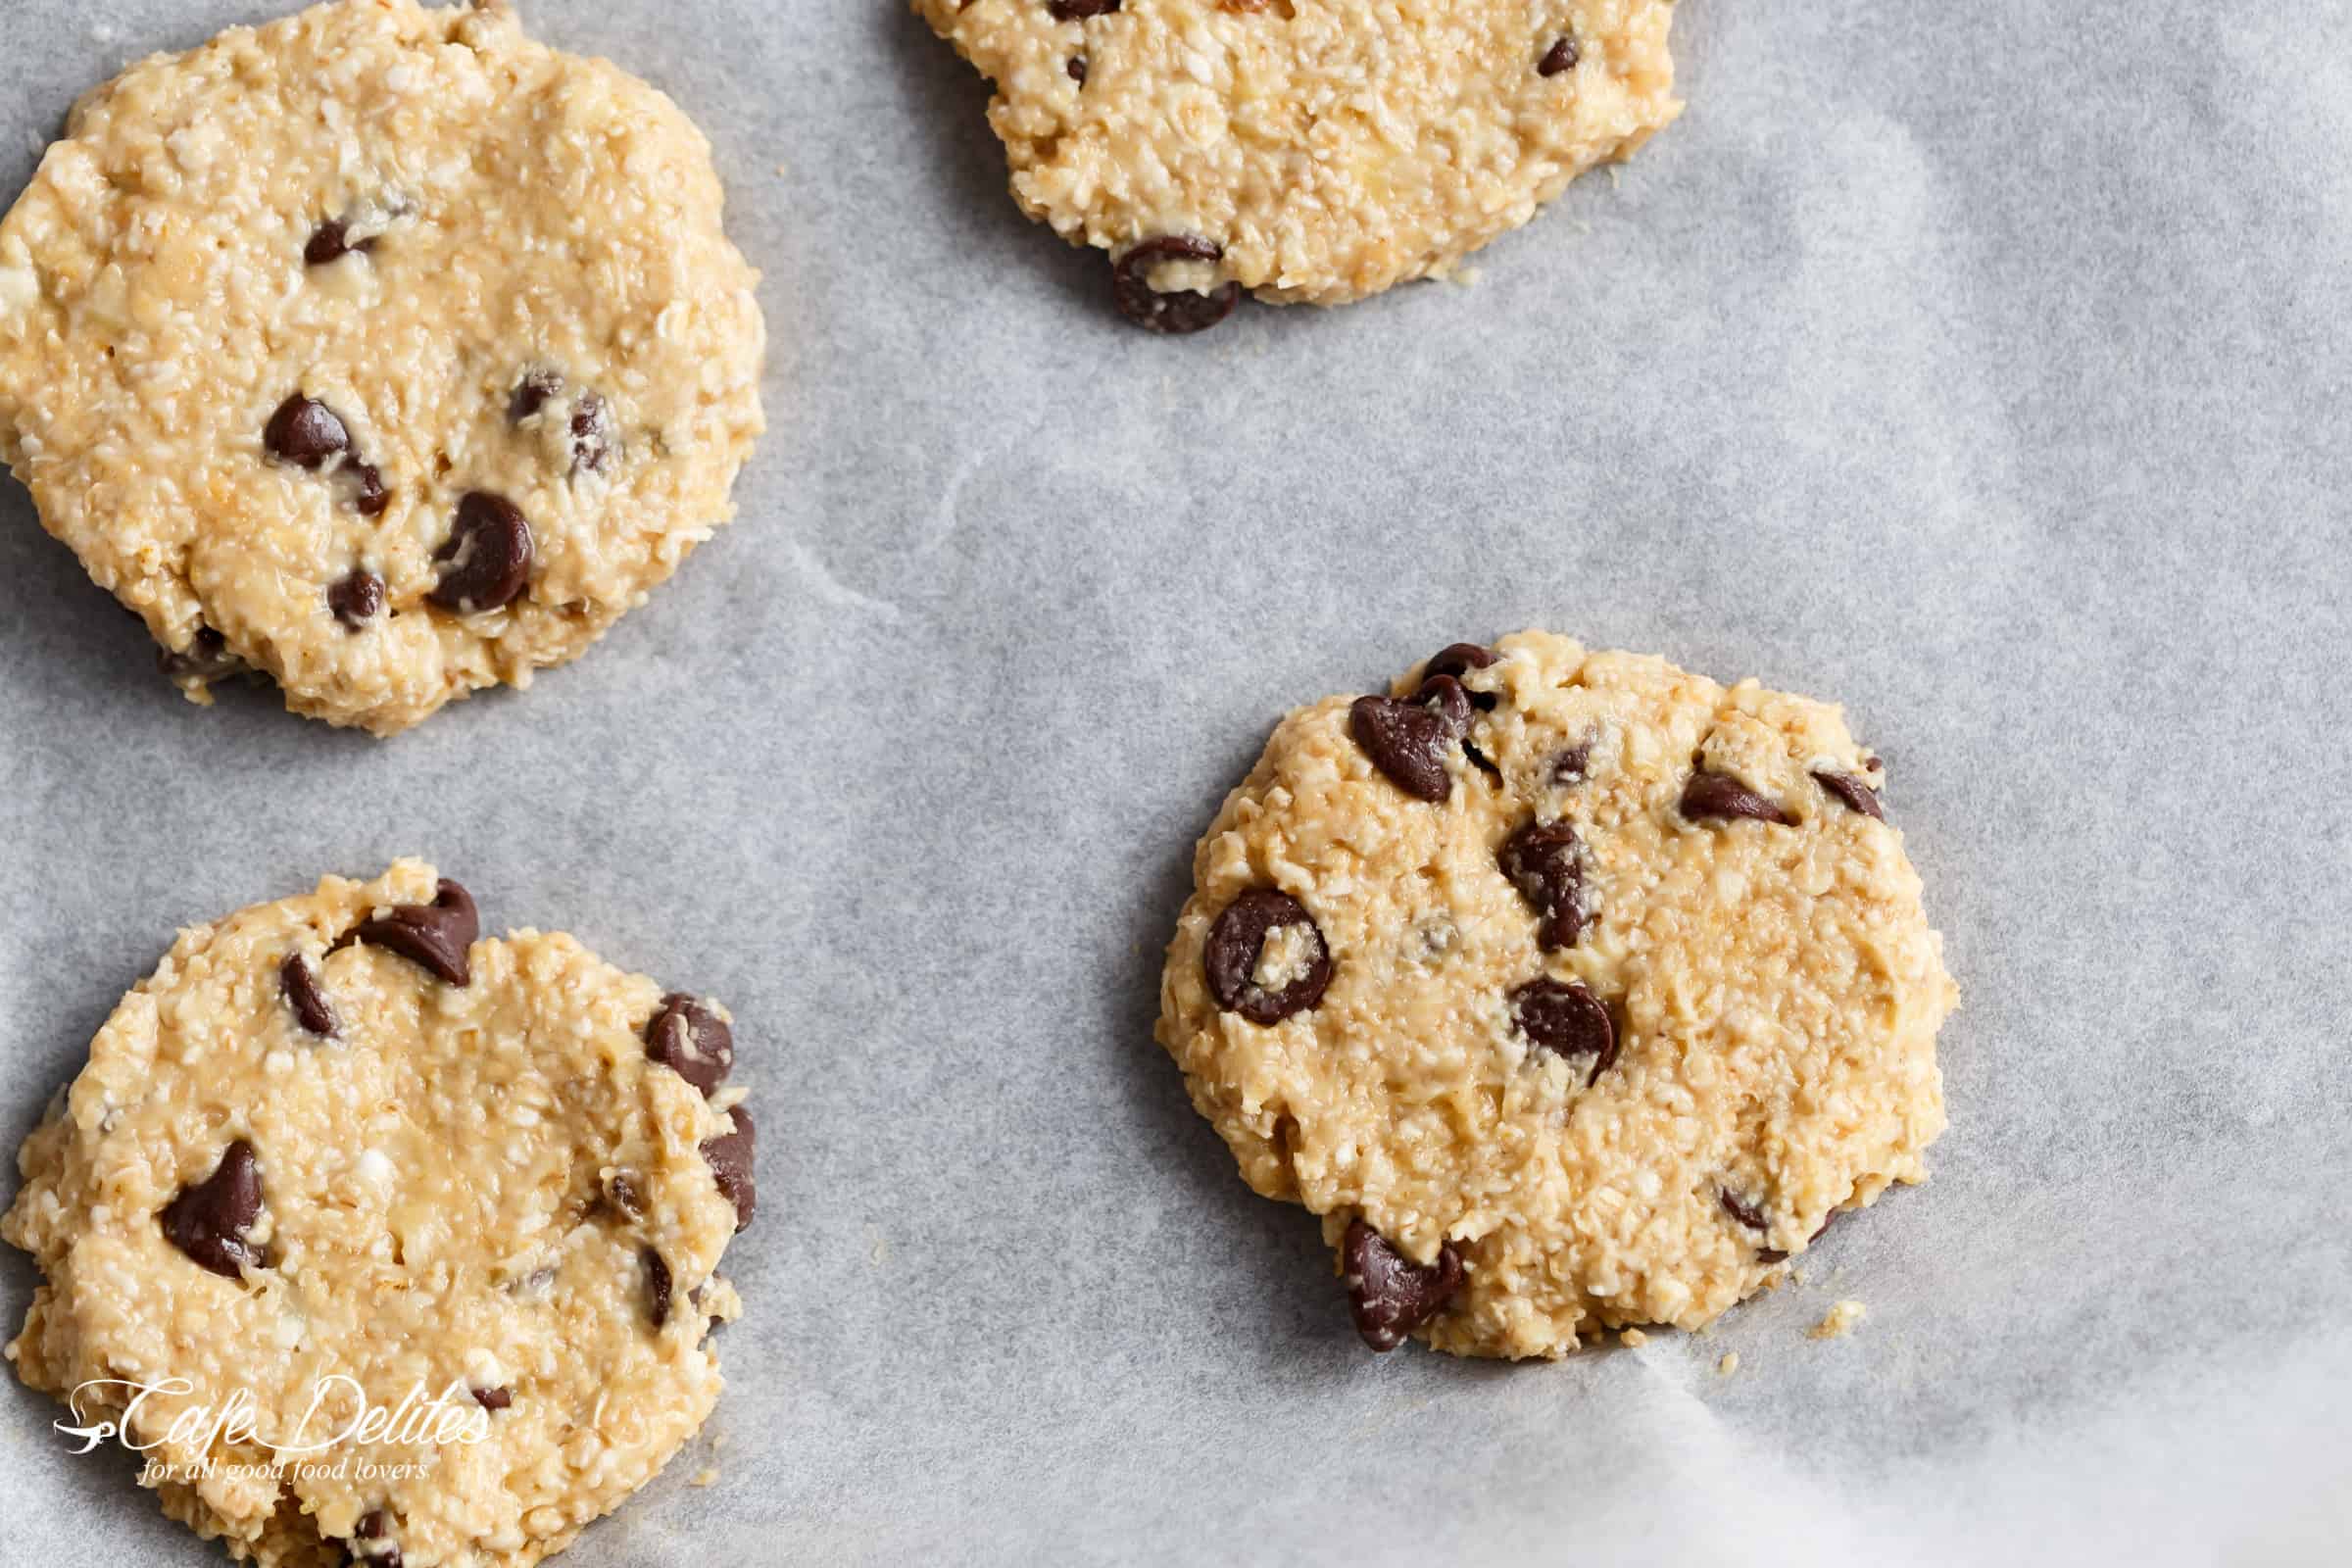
<point>370,1542</point>
<point>730,1155</point>
<point>591,433</point>
<point>621,1193</point>
<point>497,1398</point>
<point>1077,68</point>
<point>368,497</point>
<point>206,658</point>
<point>1409,740</point>
<point>1721,794</point>
<point>1753,1219</point>
<point>1080,10</point>
<point>531,394</point>
<point>1546,862</point>
<point>300,982</point>
<point>1747,1214</point>
<point>330,241</point>
<point>358,599</point>
<point>208,1220</point>
<point>1182,311</point>
<point>1237,940</point>
<point>1855,792</point>
<point>1562,1016</point>
<point>486,562</point>
<point>306,432</point>
<point>1561,56</point>
<point>436,935</point>
<point>687,1037</point>
<point>1388,1295</point>
<point>1570,762</point>
<point>657,1286</point>
<point>1460,661</point>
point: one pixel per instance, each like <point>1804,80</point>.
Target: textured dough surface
<point>1776,991</point>
<point>1331,147</point>
<point>524,211</point>
<point>431,1215</point>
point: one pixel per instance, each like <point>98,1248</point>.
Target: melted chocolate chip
<point>1854,792</point>
<point>732,1156</point>
<point>206,658</point>
<point>1180,311</point>
<point>437,935</point>
<point>1570,762</point>
<point>1747,1214</point>
<point>1460,661</point>
<point>1561,56</point>
<point>497,1398</point>
<point>208,1220</point>
<point>486,562</point>
<point>306,432</point>
<point>657,1286</point>
<point>1722,796</point>
<point>1077,68</point>
<point>1236,943</point>
<point>1080,10</point>
<point>1563,1017</point>
<point>300,982</point>
<point>1546,862</point>
<point>1409,741</point>
<point>687,1037</point>
<point>358,599</point>
<point>1388,1295</point>
<point>330,241</point>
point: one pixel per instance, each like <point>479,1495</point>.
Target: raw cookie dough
<point>380,350</point>
<point>1573,990</point>
<point>1305,150</point>
<point>333,1147</point>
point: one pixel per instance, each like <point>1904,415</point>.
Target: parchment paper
<point>1982,366</point>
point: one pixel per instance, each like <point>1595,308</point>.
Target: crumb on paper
<point>1838,1323</point>
<point>705,1477</point>
<point>1728,1366</point>
<point>1633,1338</point>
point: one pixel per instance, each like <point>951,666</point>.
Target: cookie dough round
<point>336,1150</point>
<point>1572,990</point>
<point>380,350</point>
<point>1314,150</point>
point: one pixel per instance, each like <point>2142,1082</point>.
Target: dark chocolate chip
<point>1747,1214</point>
<point>1721,794</point>
<point>371,1544</point>
<point>691,1040</point>
<point>591,433</point>
<point>1409,740</point>
<point>486,560</point>
<point>1562,1016</point>
<point>306,432</point>
<point>208,1220</point>
<point>1388,1295</point>
<point>358,599</point>
<point>1561,56</point>
<point>1546,862</point>
<point>206,658</point>
<point>1077,68</point>
<point>1570,762</point>
<point>1773,1254</point>
<point>730,1155</point>
<point>300,982</point>
<point>1080,10</point>
<point>1855,792</point>
<point>657,1286</point>
<point>1460,661</point>
<point>621,1193</point>
<point>531,394</point>
<point>437,935</point>
<point>497,1398</point>
<point>330,241</point>
<point>1235,944</point>
<point>1180,311</point>
<point>368,497</point>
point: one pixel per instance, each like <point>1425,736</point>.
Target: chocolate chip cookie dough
<point>341,1155</point>
<point>1306,150</point>
<point>1573,990</point>
<point>380,350</point>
